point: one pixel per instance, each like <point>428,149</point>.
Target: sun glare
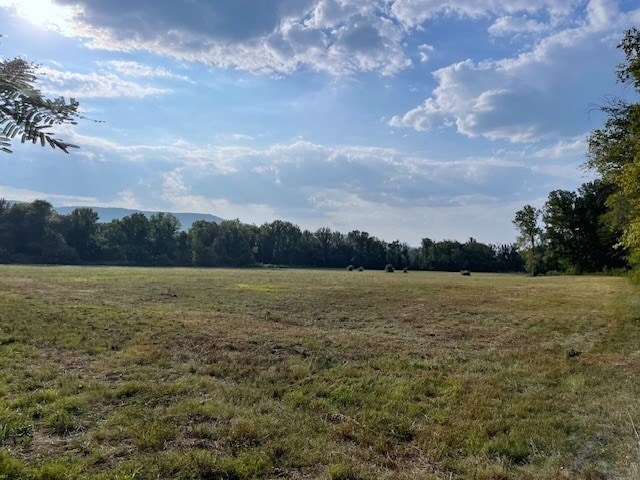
<point>42,13</point>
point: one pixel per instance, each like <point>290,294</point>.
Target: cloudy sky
<point>402,118</point>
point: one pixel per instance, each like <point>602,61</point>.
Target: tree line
<point>35,233</point>
<point>570,234</point>
<point>597,227</point>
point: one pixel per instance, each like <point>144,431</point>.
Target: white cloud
<point>26,195</point>
<point>125,199</point>
<point>484,219</point>
<point>290,175</point>
<point>92,85</point>
<point>251,213</point>
<point>173,184</point>
<point>43,13</point>
<point>135,69</point>
<point>425,51</point>
<point>509,25</point>
<point>567,147</point>
<point>602,13</point>
<point>567,172</point>
<point>240,136</point>
<point>274,36</point>
<point>332,36</point>
<point>413,13</point>
<point>539,93</point>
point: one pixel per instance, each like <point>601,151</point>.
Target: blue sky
<point>402,118</point>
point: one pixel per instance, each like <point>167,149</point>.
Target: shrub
<point>389,268</point>
<point>350,268</point>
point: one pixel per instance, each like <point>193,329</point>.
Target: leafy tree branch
<point>25,113</point>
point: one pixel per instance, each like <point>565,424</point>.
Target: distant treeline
<point>35,233</point>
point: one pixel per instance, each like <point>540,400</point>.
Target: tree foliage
<point>526,221</point>
<point>574,236</point>
<point>79,229</point>
<point>25,113</point>
<point>614,152</point>
<point>578,237</point>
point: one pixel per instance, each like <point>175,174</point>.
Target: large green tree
<point>478,256</point>
<point>203,236</point>
<point>614,152</point>
<point>367,251</point>
<point>234,244</point>
<point>526,221</point>
<point>279,242</point>
<point>577,237</point>
<point>25,113</point>
<point>129,240</point>
<point>163,237</point>
<point>79,230</point>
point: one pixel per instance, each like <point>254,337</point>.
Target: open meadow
<point>279,373</point>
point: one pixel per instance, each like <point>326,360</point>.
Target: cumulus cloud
<point>333,36</point>
<point>516,98</point>
<point>270,36</point>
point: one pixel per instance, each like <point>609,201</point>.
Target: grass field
<point>182,373</point>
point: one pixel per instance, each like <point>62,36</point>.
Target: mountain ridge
<point>107,214</point>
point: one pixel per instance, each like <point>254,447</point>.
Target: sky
<point>402,118</point>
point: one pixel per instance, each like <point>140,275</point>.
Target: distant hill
<point>107,214</point>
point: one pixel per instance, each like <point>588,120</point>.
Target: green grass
<point>240,374</point>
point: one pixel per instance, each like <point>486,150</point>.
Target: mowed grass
<point>237,374</point>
